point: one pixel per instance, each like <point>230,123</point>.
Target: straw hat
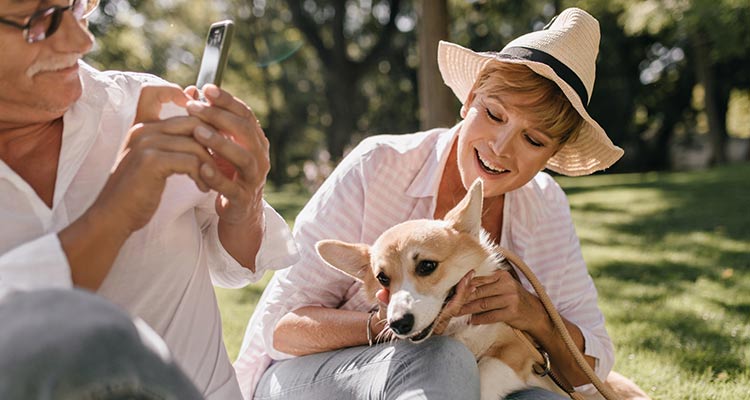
<point>564,52</point>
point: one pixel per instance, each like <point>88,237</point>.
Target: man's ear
<point>466,216</point>
<point>349,258</point>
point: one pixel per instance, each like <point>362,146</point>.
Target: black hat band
<point>562,70</point>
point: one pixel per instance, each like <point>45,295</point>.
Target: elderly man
<point>98,192</point>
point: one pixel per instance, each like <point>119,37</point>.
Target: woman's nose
<point>502,143</point>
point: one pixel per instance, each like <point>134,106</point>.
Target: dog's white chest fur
<point>478,338</point>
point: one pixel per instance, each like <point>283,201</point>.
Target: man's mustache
<point>53,64</point>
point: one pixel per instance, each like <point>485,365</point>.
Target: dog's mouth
<point>426,332</point>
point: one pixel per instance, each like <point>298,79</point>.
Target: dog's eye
<point>426,267</point>
<point>384,279</point>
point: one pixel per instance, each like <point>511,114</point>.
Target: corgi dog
<point>420,262</point>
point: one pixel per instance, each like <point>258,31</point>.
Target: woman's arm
<point>310,330</point>
<point>300,312</point>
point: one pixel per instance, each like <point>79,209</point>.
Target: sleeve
<point>37,264</point>
<point>334,212</point>
<point>578,302</point>
<point>277,247</point>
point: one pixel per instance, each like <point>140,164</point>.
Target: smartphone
<point>215,54</point>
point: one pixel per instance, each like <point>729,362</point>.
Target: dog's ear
<point>349,258</point>
<point>466,216</point>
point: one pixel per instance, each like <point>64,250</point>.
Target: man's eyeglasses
<point>43,23</point>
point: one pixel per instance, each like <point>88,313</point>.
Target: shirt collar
<point>426,182</point>
<point>82,123</point>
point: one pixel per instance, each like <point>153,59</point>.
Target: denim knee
<point>439,368</point>
<point>73,344</point>
<point>535,394</point>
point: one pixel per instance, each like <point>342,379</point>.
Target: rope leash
<point>559,326</point>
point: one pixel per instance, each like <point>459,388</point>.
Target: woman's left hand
<point>500,298</point>
<point>240,150</point>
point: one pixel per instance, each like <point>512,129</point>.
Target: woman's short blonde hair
<point>540,100</point>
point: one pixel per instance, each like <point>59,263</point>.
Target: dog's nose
<point>403,325</point>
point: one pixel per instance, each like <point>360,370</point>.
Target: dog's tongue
<point>383,295</point>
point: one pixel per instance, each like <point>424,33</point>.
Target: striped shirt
<point>389,179</point>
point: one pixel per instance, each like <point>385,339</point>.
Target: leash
<point>560,327</point>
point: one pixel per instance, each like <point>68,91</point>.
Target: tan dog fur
<point>458,244</point>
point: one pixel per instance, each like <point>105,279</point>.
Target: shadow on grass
<point>670,275</point>
<point>713,204</point>
<point>695,343</point>
<point>712,201</point>
<point>701,216</point>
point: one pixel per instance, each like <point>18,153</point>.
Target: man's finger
<point>175,144</point>
<point>245,130</point>
<point>192,92</point>
<point>247,164</point>
<point>220,183</point>
<point>183,126</point>
<point>153,98</point>
<point>223,99</point>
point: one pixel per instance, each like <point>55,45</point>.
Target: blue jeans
<point>439,368</point>
<point>69,344</point>
<point>535,394</point>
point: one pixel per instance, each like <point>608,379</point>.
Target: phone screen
<point>214,55</point>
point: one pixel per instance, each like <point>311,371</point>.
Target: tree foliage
<point>322,74</point>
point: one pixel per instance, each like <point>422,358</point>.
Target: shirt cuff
<point>277,251</point>
<point>593,347</point>
<point>38,264</point>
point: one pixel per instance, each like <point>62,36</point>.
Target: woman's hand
<point>501,298</point>
<point>464,289</point>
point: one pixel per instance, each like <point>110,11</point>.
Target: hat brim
<point>591,151</point>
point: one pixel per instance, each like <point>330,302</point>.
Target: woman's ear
<point>467,104</point>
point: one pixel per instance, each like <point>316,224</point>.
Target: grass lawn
<point>670,255</point>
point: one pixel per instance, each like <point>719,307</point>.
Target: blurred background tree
<point>672,79</point>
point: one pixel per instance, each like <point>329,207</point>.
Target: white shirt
<point>164,272</point>
<point>390,179</point>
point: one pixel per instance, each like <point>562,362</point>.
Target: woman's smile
<point>489,166</point>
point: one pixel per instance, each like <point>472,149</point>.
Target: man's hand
<point>240,151</point>
<point>153,98</point>
<point>237,171</point>
<point>154,151</point>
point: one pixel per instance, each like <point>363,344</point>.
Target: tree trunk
<point>706,76</point>
<point>437,107</point>
<point>342,74</point>
<point>344,110</point>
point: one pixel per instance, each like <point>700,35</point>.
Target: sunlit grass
<point>670,255</point>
